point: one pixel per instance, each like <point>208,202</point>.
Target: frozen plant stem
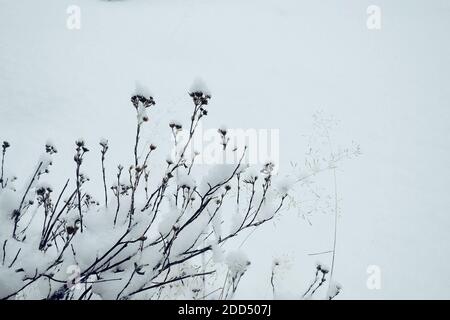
<point>5,145</point>
<point>104,145</point>
<point>272,278</point>
<point>52,222</point>
<point>3,163</point>
<point>136,176</point>
<point>136,143</point>
<point>333,256</point>
<point>4,252</point>
<point>80,151</point>
<point>79,196</point>
<point>335,226</point>
<point>117,192</point>
<point>317,280</point>
<point>17,213</point>
<point>140,103</point>
<point>316,277</point>
<point>322,280</point>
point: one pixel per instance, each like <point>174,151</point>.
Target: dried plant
<point>165,240</point>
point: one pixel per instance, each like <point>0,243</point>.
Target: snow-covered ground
<point>269,64</point>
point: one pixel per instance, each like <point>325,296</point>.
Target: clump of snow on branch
<point>162,231</point>
<point>237,263</point>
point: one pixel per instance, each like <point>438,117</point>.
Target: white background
<point>269,64</point>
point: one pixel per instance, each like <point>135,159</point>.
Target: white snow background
<point>268,64</point>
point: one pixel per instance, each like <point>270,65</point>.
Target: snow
<point>334,289</point>
<point>236,221</point>
<point>9,201</point>
<point>44,186</point>
<point>217,222</point>
<point>237,263</point>
<point>33,261</point>
<point>187,238</point>
<point>269,206</point>
<point>141,90</point>
<point>199,85</point>
<point>284,184</point>
<point>216,174</point>
<point>251,174</point>
<point>9,281</point>
<point>186,181</point>
<point>322,267</point>
<point>108,290</point>
<point>170,159</point>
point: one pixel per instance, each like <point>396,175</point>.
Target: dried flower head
<point>268,168</point>
<point>200,98</point>
<point>222,131</point>
<point>140,99</point>
<point>104,143</point>
<point>80,142</point>
<point>50,148</point>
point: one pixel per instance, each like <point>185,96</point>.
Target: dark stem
<point>104,178</point>
<point>3,163</point>
<point>79,194</point>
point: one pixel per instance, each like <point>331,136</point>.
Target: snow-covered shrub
<point>166,240</point>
